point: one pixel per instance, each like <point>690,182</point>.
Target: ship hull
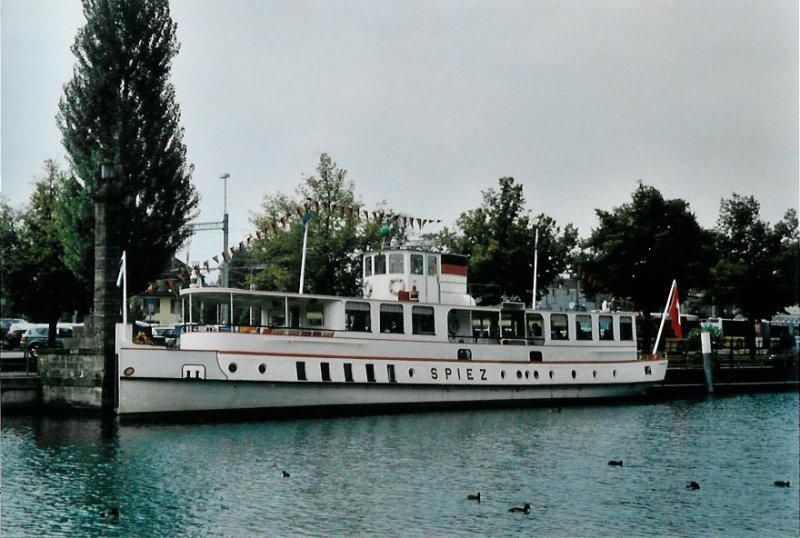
<point>154,381</point>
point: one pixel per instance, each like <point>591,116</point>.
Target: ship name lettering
<point>468,373</point>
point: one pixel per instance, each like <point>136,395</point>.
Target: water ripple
<point>408,475</point>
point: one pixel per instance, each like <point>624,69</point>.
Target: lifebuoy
<point>396,286</point>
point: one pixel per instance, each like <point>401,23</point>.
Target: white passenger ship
<point>414,339</point>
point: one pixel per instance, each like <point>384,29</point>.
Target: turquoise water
<point>409,474</point>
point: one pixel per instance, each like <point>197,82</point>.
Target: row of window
<point>394,264</point>
<point>357,316</point>
<point>325,372</point>
<point>478,324</point>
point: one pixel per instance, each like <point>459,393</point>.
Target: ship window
<point>396,264</point>
<point>485,325</point>
<point>583,327</point>
<point>422,320</point>
<point>392,318</point>
<point>511,325</point>
<point>433,267</point>
<point>380,264</point>
<point>325,371</point>
<point>357,316</point>
<point>625,328</point>
<point>348,372</point>
<point>535,356</point>
<point>390,373</point>
<point>606,327</point>
<point>367,265</point>
<point>416,264</point>
<point>464,355</point>
<point>301,371</point>
<point>558,327</point>
<point>370,373</point>
<point>535,324</point>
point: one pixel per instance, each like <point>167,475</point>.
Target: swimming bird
<point>615,462</point>
<point>111,512</point>
<point>476,497</point>
<point>525,509</point>
<point>782,483</point>
<point>692,485</point>
<point>285,474</point>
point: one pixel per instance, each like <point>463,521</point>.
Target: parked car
<point>15,332</point>
<point>5,325</point>
<point>36,336</point>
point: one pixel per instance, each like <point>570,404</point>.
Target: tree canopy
<point>337,237</point>
<point>35,278</point>
<point>499,239</point>
<point>640,247</point>
<point>120,107</point>
<point>756,268</point>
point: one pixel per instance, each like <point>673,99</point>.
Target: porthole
<point>574,374</point>
<point>410,372</point>
<point>262,368</point>
<point>551,374</point>
<point>536,374</point>
<point>614,373</point>
<point>503,374</point>
<point>519,374</point>
<point>527,374</point>
<point>128,371</point>
<point>232,367</point>
<point>594,373</point>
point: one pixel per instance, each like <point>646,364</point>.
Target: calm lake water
<point>409,475</point>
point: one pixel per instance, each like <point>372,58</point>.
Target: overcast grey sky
<point>427,103</point>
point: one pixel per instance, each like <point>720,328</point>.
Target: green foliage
<point>34,277</point>
<point>337,237</point>
<point>9,246</point>
<point>693,338</point>
<point>640,247</point>
<point>756,270</point>
<point>119,106</point>
<point>499,239</point>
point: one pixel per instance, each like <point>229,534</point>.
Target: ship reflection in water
<point>410,474</point>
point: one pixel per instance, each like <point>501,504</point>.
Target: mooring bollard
<point>705,341</point>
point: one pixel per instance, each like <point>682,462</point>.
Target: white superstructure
<point>415,338</point>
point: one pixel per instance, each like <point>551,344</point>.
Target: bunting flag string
<point>282,223</point>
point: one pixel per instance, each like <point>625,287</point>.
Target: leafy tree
<point>499,239</point>
<point>640,247</point>
<point>120,106</point>
<point>756,270</point>
<point>34,276</point>
<point>337,237</point>
<point>9,246</point>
